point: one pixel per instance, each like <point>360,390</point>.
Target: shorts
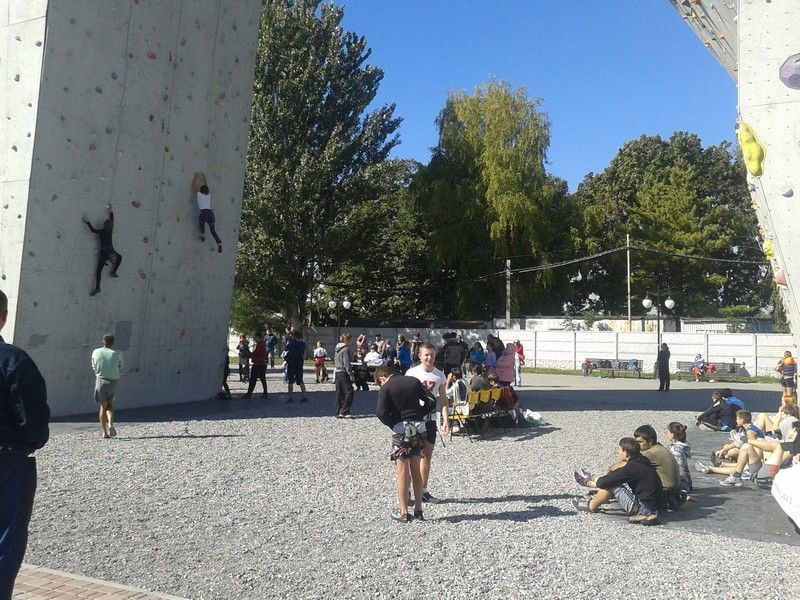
<point>408,440</point>
<point>207,216</point>
<point>630,503</point>
<point>105,390</point>
<point>788,382</point>
<point>294,374</point>
<point>430,431</point>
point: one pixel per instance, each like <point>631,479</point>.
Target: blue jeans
<point>17,489</point>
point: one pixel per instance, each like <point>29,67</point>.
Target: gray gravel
<point>285,501</point>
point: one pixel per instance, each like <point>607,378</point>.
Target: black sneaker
<point>428,497</point>
<point>401,517</point>
<point>418,515</point>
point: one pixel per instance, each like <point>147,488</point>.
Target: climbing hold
<point>145,239</point>
<point>108,130</point>
<point>151,55</point>
<point>152,118</point>
<point>54,198</point>
<point>14,148</point>
<point>787,192</point>
<point>754,153</point>
<point>790,72</point>
<point>31,253</point>
<point>16,77</point>
<point>769,249</point>
<point>136,204</point>
<point>72,21</point>
<point>183,332</point>
<point>92,147</point>
<point>98,89</point>
<point>114,75</point>
<point>38,44</point>
<point>780,279</point>
<point>142,275</point>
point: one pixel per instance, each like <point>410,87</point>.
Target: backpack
<point>428,403</point>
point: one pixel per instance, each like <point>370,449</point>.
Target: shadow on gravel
<point>548,400</point>
<point>519,516</point>
<point>510,498</point>
<point>187,436</point>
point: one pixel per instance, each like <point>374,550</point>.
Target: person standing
<point>342,377</point>
<point>416,342</point>
<point>24,428</point>
<point>295,355</point>
<point>106,363</point>
<point>258,368</point>
<point>519,362</point>
<point>787,367</point>
<point>271,341</point>
<point>403,403</point>
<point>243,350</point>
<point>663,368</point>
<point>320,355</point>
<point>433,380</point>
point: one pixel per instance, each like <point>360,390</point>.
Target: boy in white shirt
<point>207,216</point>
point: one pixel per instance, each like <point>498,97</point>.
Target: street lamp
<point>669,304</point>
<point>346,304</point>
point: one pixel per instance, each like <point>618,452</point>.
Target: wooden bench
<point>684,367</point>
<point>615,365</point>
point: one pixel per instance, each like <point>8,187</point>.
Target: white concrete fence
<point>567,349</point>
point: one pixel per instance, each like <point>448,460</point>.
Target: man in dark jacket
<point>24,418</point>
<point>342,376</point>
<point>662,362</point>
<point>452,354</point>
<point>721,416</point>
<point>634,483</point>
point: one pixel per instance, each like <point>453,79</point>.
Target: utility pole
<point>628,252</point>
<point>508,293</point>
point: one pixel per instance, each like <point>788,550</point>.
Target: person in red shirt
<point>258,370</point>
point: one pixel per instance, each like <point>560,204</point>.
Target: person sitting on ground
<point>682,451</point>
<point>771,424</point>
<point>787,367</point>
<point>633,482</point>
<point>664,462</point>
<point>698,367</point>
<point>730,398</point>
<point>744,432</point>
<point>720,417</point>
<point>752,456</point>
<point>373,357</point>
<point>478,381</point>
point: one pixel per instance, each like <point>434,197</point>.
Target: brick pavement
<point>38,583</point>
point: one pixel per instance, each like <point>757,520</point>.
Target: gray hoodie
<point>341,358</point>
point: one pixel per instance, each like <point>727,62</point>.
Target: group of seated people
<point>647,480</point>
<point>758,448</point>
<point>590,365</point>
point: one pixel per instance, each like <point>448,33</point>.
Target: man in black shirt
<point>107,252</point>
<point>24,418</point>
<point>663,368</point>
<point>634,482</point>
<point>403,403</point>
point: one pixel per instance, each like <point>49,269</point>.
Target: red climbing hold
<point>92,147</point>
<point>780,279</point>
<point>145,239</point>
<point>142,275</point>
<point>151,55</point>
<point>136,204</point>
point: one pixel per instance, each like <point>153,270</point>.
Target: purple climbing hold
<point>790,72</point>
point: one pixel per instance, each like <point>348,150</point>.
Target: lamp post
<point>346,304</point>
<point>669,304</point>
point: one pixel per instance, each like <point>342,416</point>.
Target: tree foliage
<point>485,196</point>
<point>676,197</point>
<point>314,153</point>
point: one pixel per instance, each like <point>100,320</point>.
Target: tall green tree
<point>487,196</point>
<point>676,197</point>
<point>313,155</point>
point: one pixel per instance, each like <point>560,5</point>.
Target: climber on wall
<point>107,252</point>
<point>207,215</point>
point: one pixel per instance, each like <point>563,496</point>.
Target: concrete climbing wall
<point>765,63</point>
<point>120,102</point>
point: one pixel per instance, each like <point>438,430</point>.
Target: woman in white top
<point>207,216</point>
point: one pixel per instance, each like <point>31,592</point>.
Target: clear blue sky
<point>607,71</point>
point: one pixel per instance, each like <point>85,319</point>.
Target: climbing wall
<point>765,63</point>
<point>120,102</point>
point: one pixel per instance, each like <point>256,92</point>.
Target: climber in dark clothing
<point>107,252</point>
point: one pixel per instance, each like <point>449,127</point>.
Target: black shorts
<point>430,431</point>
<point>788,382</point>
<point>294,374</point>
<point>207,216</point>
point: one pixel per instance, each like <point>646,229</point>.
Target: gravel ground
<point>285,501</point>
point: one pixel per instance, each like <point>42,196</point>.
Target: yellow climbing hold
<point>754,153</point>
<point>769,249</point>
